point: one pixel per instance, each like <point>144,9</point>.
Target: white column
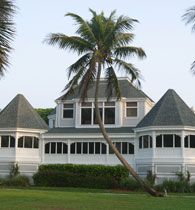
<point>16,145</point>
<point>42,149</point>
<point>68,150</point>
<point>183,150</point>
<point>153,151</point>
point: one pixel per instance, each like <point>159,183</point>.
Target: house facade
<point>158,137</point>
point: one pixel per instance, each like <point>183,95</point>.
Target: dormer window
<point>68,111</point>
<point>131,109</point>
<point>107,113</point>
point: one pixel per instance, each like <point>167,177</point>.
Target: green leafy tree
<point>7,32</point>
<point>44,113</point>
<point>103,44</point>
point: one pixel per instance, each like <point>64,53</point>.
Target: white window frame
<point>92,107</point>
<point>67,108</point>
<point>129,107</point>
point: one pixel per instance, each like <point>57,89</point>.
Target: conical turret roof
<point>20,114</point>
<point>170,110</point>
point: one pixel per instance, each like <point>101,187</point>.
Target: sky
<point>38,71</point>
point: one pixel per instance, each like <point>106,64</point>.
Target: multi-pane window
<point>28,142</point>
<point>56,148</point>
<point>168,140</point>
<point>68,110</point>
<point>131,109</point>
<point>145,141</point>
<point>7,141</point>
<point>123,148</point>
<point>190,141</point>
<point>107,113</point>
<point>88,148</point>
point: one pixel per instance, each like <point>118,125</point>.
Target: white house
<point>157,137</point>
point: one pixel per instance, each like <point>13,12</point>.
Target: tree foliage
<point>44,113</point>
<point>7,32</point>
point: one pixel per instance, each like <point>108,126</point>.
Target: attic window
<point>131,109</point>
<point>68,111</point>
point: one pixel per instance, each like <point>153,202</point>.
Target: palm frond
<point>83,28</point>
<point>82,62</point>
<point>73,83</point>
<point>7,32</point>
<point>189,17</point>
<point>123,39</point>
<point>130,70</point>
<point>126,51</point>
<point>112,83</point>
<point>193,67</point>
<point>74,43</point>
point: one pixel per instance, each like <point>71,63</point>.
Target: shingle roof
<point>20,114</point>
<point>126,88</point>
<point>74,130</point>
<point>170,110</point>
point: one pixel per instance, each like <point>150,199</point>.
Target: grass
<point>85,199</point>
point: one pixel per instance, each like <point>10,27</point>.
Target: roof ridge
<point>180,115</point>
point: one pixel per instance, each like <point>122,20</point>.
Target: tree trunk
<point>146,187</point>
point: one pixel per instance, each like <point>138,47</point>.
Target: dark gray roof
<point>126,88</point>
<point>170,110</point>
<point>72,130</point>
<point>20,114</point>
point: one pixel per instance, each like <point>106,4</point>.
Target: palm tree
<point>7,31</point>
<point>189,18</point>
<point>102,44</point>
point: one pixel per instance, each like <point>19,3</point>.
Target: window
<point>190,141</point>
<point>107,113</point>
<point>7,141</point>
<point>123,148</point>
<point>86,116</point>
<point>56,148</point>
<point>159,141</point>
<point>28,142</point>
<point>88,148</point>
<point>68,111</point>
<point>168,140</point>
<point>131,109</point>
<point>109,116</point>
<point>145,141</point>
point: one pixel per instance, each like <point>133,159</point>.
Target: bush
<point>150,178</point>
<point>69,175</point>
<point>129,183</point>
<point>174,186</point>
<point>16,181</point>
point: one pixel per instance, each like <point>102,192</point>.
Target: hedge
<point>71,175</point>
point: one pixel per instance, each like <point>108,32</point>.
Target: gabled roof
<point>126,88</point>
<point>170,110</point>
<point>20,114</point>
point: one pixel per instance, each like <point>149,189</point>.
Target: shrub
<point>17,181</point>
<point>14,171</point>
<point>70,175</point>
<point>174,186</point>
<point>150,178</point>
<point>129,183</point>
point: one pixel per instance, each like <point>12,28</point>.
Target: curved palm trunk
<point>146,187</point>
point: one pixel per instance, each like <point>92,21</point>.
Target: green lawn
<point>80,199</point>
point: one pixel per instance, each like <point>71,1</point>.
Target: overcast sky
<point>39,73</point>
